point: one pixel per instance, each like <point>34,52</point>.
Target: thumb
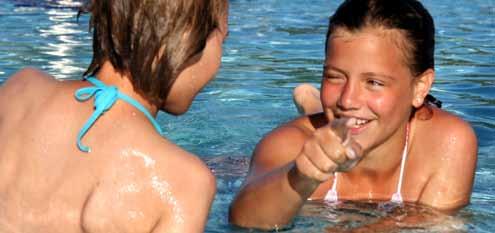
<point>329,114</point>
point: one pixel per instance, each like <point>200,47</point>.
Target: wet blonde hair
<point>152,40</point>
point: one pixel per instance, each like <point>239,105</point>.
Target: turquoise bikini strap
<point>104,98</point>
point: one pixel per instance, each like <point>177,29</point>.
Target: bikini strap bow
<point>104,98</point>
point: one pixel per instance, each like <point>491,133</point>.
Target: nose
<point>349,98</point>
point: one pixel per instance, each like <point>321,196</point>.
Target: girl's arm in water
<point>287,166</point>
<point>273,191</point>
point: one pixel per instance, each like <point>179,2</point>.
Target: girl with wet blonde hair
<point>88,155</point>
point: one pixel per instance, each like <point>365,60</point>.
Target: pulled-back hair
<point>409,17</point>
<point>152,40</point>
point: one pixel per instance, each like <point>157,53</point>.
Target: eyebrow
<point>373,74</point>
<point>366,74</point>
<point>329,67</point>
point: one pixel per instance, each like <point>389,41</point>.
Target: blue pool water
<point>273,46</point>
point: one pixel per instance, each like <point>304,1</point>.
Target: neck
<point>384,160</point>
<point>110,76</point>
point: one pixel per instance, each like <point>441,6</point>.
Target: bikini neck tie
<point>104,98</point>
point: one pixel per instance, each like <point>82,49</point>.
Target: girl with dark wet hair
<point>375,134</point>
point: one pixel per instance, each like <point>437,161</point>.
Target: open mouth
<point>356,124</point>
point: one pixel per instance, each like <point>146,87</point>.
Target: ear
<point>422,85</point>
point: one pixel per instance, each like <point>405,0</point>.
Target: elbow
<point>236,214</point>
<point>450,207</point>
<point>234,217</point>
<point>210,184</point>
<point>238,218</point>
<point>246,216</point>
<point>177,109</point>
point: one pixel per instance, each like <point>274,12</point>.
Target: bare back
<point>126,183</point>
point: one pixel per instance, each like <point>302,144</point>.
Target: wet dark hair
<point>152,41</point>
<point>408,16</point>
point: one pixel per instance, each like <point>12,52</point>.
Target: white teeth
<point>355,122</point>
<point>360,122</point>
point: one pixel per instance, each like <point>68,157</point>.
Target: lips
<point>356,125</point>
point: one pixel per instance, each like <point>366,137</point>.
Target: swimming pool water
<point>273,46</point>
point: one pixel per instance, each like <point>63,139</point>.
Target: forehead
<point>395,36</point>
<point>372,40</point>
<point>371,48</point>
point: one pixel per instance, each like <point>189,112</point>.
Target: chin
<point>363,143</point>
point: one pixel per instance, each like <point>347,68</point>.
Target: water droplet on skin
<point>130,188</point>
<point>163,189</point>
<point>135,214</point>
<point>147,160</point>
<point>159,186</point>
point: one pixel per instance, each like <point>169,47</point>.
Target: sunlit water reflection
<point>272,47</point>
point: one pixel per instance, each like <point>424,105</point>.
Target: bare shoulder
<point>24,81</point>
<point>27,76</point>
<point>449,132</point>
<point>193,185</point>
<point>173,160</point>
<point>283,144</point>
<point>185,167</point>
<point>151,185</point>
<point>451,146</point>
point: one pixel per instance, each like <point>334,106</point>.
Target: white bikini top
<point>332,196</point>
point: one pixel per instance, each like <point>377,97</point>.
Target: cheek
<point>210,65</point>
<point>386,105</point>
<point>380,104</point>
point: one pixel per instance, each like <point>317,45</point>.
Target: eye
<point>333,78</point>
<point>375,83</point>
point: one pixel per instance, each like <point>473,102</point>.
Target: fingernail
<point>350,153</point>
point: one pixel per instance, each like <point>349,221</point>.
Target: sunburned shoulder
<point>136,142</point>
<point>445,128</point>
<point>27,81</point>
<point>172,161</point>
<point>28,76</point>
<point>449,146</point>
<point>148,187</point>
<point>190,181</point>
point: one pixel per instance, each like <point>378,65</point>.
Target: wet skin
<point>365,79</point>
<point>129,181</point>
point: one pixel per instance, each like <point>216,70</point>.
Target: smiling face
<point>366,78</point>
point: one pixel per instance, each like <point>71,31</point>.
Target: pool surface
<point>273,46</point>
